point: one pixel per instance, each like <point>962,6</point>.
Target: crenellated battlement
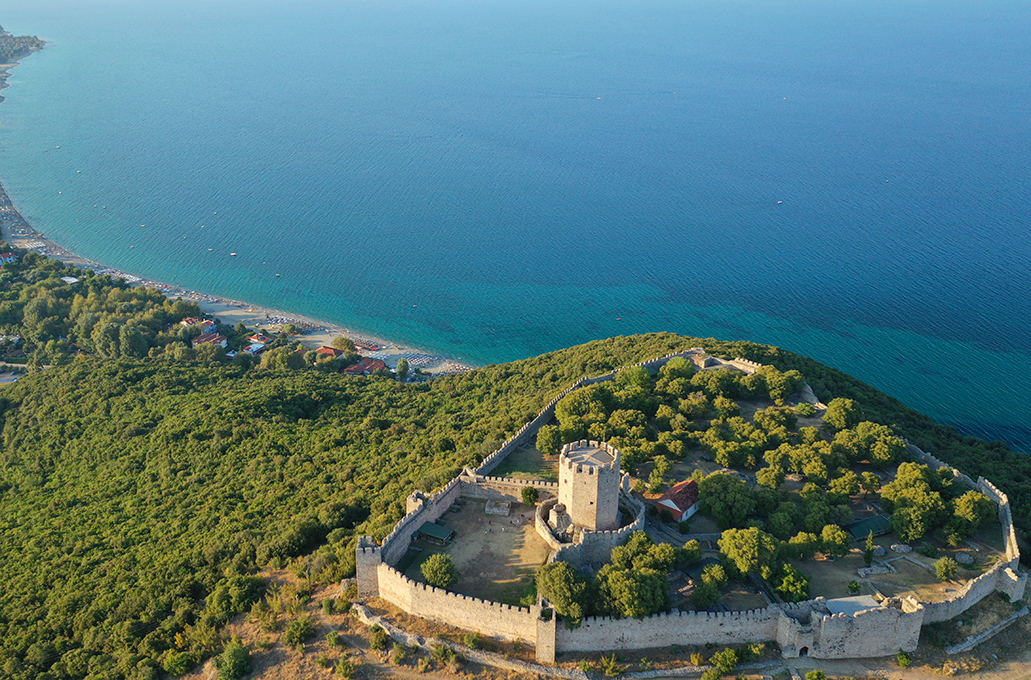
<point>595,481</point>
<point>579,457</point>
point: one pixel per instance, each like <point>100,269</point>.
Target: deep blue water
<point>493,180</point>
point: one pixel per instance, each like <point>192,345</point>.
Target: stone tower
<point>588,484</point>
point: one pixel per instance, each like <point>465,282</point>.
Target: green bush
<point>298,631</point>
<point>378,637</point>
<point>905,660</point>
<point>179,663</point>
<point>611,667</point>
<point>946,568</point>
<point>235,661</point>
<point>725,660</point>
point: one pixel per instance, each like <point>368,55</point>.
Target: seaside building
<point>366,366</point>
<point>213,338</point>
<point>331,352</point>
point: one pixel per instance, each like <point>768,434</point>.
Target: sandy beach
<point>316,333</point>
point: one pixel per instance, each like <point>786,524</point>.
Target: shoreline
<point>19,234</point>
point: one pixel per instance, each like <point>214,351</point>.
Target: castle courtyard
<point>496,557</point>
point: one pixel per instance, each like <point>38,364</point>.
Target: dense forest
<point>140,491</point>
<point>14,47</point>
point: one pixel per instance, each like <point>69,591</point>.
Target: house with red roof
<point>259,339</point>
<point>213,338</point>
<point>367,366</point>
<point>681,500</point>
<point>331,352</point>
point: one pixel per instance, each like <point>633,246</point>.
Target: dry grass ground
<point>497,557</point>
<point>528,463</point>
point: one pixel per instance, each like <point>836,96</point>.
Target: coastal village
<point>218,326</point>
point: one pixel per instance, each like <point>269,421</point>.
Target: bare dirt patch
<point>496,557</point>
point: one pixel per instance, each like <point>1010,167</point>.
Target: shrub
<point>178,663</point>
<point>946,568</point>
<point>610,666</point>
<point>530,495</point>
<point>697,659</point>
<point>333,639</point>
<point>323,661</point>
<point>298,631</point>
<point>853,587</point>
<point>928,550</point>
<point>399,654</point>
<point>379,637</point>
<point>345,668</point>
<point>815,675</point>
<point>904,659</point>
<point>472,641</point>
<point>712,674</point>
<point>235,661</point>
<point>725,660</point>
<point>805,409</point>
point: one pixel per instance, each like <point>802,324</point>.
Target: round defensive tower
<point>588,484</point>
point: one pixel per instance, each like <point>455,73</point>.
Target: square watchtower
<point>588,484</point>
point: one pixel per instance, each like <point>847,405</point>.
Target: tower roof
<point>591,455</point>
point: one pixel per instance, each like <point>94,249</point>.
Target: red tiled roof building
<point>681,500</point>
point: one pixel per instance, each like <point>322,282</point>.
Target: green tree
<point>842,414</point>
<point>345,343</point>
<point>548,440</point>
<point>724,660</point>
<point>751,551</point>
<point>974,508</point>
<point>726,499</point>
<point>946,568</point>
<point>561,585</point>
<point>726,407</point>
<point>835,541</point>
<point>803,546</point>
<point>439,570</point>
<point>770,477</point>
<point>635,376</point>
<point>235,661</point>
<point>792,584</point>
<point>704,595</point>
<point>402,369</point>
<point>629,593</point>
<point>871,483</point>
<point>530,495</point>
<point>868,549</point>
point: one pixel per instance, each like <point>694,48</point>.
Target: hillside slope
<point>135,497</point>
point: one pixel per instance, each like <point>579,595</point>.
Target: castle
<point>590,511</point>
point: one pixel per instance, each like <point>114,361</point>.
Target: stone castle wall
<point>874,632</point>
<point>421,508</point>
<point>507,489</point>
<point>935,464</point>
<point>491,619</point>
<point>592,547</point>
<point>796,627</point>
<point>674,628</point>
<point>529,430</point>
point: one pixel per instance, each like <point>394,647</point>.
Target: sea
<point>490,180</point>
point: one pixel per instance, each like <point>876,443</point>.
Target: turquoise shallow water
<point>496,180</point>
